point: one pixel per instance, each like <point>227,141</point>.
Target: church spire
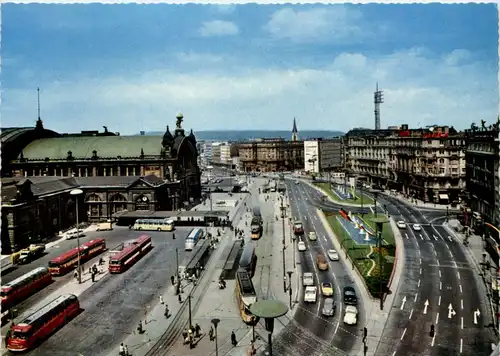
<point>295,132</point>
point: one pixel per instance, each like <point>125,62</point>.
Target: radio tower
<point>378,99</point>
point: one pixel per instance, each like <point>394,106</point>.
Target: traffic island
<point>342,195</point>
<point>373,257</point>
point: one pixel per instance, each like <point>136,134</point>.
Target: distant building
<point>483,173</point>
<point>428,164</point>
<point>322,155</point>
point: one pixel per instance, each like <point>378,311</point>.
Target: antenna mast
<point>378,99</point>
<point>38,94</point>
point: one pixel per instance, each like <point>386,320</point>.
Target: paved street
<point>438,272</point>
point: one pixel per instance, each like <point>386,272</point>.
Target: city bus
<point>154,224</point>
<point>246,296</point>
<point>22,287</point>
<point>192,239</point>
<point>248,259</point>
<point>66,262</point>
<point>37,326</point>
<point>130,254</point>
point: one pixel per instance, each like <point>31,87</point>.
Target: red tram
<point>22,287</point>
<point>69,260</point>
<point>42,323</point>
<point>122,260</point>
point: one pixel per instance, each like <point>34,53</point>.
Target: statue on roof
<point>180,118</point>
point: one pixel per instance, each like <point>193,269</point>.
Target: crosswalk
<point>427,237</point>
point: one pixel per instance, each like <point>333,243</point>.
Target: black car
<point>350,297</point>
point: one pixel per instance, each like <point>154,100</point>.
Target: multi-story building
<point>428,164</point>
<point>322,155</point>
<point>483,182</point>
<point>216,149</point>
<point>225,155</point>
<point>207,153</point>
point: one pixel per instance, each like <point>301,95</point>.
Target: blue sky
<point>134,67</point>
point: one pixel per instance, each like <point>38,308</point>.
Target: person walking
<point>172,279</point>
<point>122,350</point>
<point>233,339</point>
<point>126,351</point>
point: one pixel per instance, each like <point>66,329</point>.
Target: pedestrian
<point>211,333</point>
<point>197,330</point>
<point>126,351</point>
<point>93,277</point>
<point>184,334</point>
<point>161,299</point>
<point>76,275</point>
<point>179,298</point>
<point>173,236</point>
<point>233,339</point>
<point>122,350</point>
<point>172,279</point>
<point>167,312</point>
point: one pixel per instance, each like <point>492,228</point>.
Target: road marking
<point>415,299</point>
<point>337,327</point>
<point>462,303</point>
<point>421,237</point>
<point>437,318</point>
<point>440,285</point>
<point>403,303</point>
<point>461,344</point>
<point>458,273</point>
<point>411,313</point>
<point>435,252</point>
<point>447,246</point>
<point>439,273</point>
<point>439,301</point>
<point>420,270</point>
<point>433,339</point>
<point>449,238</point>
<point>420,260</point>
<point>437,261</point>
<point>406,235</point>
<point>404,332</point>
<point>460,288</point>
<point>454,262</point>
<point>426,304</point>
<point>394,353</point>
<point>419,283</point>
<point>462,318</point>
<point>435,237</point>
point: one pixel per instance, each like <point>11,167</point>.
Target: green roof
<point>82,147</point>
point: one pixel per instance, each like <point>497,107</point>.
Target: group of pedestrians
<point>190,334</point>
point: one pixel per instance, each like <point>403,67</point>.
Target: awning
<point>443,196</point>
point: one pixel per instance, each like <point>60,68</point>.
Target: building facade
<point>428,164</point>
<point>483,173</point>
<point>271,155</point>
<point>323,155</point>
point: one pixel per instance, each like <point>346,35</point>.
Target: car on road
<point>333,255</point>
<point>326,289</point>
<point>321,262</point>
<point>297,182</point>
<point>312,236</point>
<point>301,246</point>
<point>401,224</point>
<point>417,227</point>
<point>351,315</point>
<point>310,294</point>
<point>308,279</point>
<point>73,234</point>
<point>350,297</point>
<point>329,307</point>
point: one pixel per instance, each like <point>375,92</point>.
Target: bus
<point>22,287</point>
<point>192,239</point>
<point>61,265</point>
<point>246,296</point>
<point>248,259</point>
<point>298,228</point>
<point>38,325</point>
<point>122,260</point>
<point>256,228</point>
<point>154,224</point>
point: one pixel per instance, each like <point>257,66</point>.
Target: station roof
<point>149,214</point>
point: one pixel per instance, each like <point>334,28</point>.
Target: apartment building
<point>271,155</point>
<point>216,150</point>
<point>321,155</point>
<point>428,163</point>
<point>483,173</point>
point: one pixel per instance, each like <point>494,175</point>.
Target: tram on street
<point>248,259</point>
<point>22,287</point>
<point>121,261</point>
<point>37,326</point>
<point>66,262</point>
<point>256,228</point>
<point>192,239</point>
<point>154,224</point>
<point>246,296</point>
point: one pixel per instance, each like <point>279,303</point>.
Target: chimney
<point>143,133</point>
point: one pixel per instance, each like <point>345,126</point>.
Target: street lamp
<point>76,193</point>
<point>290,286</point>
<point>283,242</point>
<point>216,322</point>
<point>269,310</point>
<point>379,222</point>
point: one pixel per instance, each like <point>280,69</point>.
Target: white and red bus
<point>69,260</point>
<point>130,254</point>
<point>36,326</point>
<point>22,287</point>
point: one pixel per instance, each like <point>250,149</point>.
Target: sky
<point>133,67</point>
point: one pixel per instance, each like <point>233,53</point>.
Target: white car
<point>310,294</point>
<point>333,255</point>
<point>401,224</point>
<point>351,315</point>
<point>312,236</point>
<point>301,246</point>
<point>417,227</point>
<point>73,234</point>
<point>308,279</point>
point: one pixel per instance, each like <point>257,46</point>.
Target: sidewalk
<point>375,318</point>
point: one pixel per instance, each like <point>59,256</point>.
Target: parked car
<point>351,315</point>
<point>308,279</point>
<point>310,294</point>
<point>301,246</point>
<point>401,224</point>
<point>417,227</point>
<point>329,307</point>
<point>333,255</point>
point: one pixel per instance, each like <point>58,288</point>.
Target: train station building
<point>40,168</point>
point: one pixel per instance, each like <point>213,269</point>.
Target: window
<point>441,170</point>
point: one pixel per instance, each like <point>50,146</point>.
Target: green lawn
<point>363,256</point>
<point>360,199</point>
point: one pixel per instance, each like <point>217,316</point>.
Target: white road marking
<point>449,238</point>
<point>437,261</point>
<point>435,252</point>
<point>433,339</point>
<point>416,296</point>
<point>418,283</point>
<point>462,318</point>
<point>461,345</point>
<point>411,313</point>
<point>337,327</point>
<point>407,239</point>
<point>394,353</point>
<point>437,318</point>
<point>440,285</point>
<point>420,260</point>
<point>404,332</point>
<point>447,246</point>
<point>462,303</point>
<point>458,274</point>
<point>435,237</point>
<point>439,301</point>
<point>460,288</point>
<point>439,273</point>
<point>420,270</point>
<point>421,237</point>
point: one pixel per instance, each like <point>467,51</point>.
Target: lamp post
<point>76,193</point>
<point>216,322</point>
<point>290,287</point>
<point>283,242</point>
<point>269,310</point>
<point>379,222</point>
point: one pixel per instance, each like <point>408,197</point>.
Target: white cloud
<point>198,58</point>
<point>418,89</point>
<point>336,23</point>
<point>218,28</point>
